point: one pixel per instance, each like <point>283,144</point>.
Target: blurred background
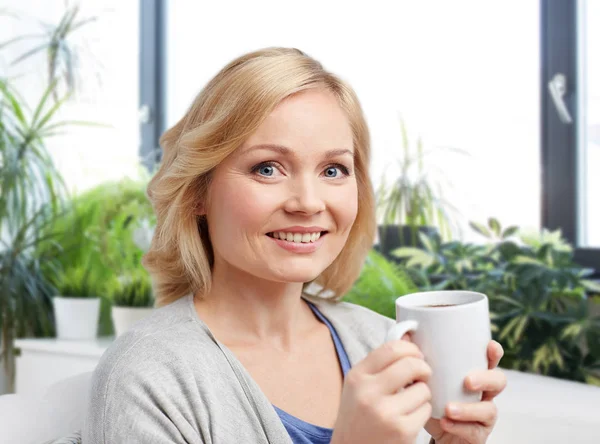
<point>485,124</point>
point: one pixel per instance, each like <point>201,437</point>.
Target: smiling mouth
<point>297,238</point>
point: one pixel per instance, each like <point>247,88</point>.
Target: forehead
<point>310,120</point>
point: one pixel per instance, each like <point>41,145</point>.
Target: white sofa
<point>533,410</point>
<point>28,419</point>
<point>540,410</point>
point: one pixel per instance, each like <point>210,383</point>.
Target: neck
<point>245,310</point>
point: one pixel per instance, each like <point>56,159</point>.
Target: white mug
<point>453,337</point>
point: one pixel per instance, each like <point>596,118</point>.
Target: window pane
<point>589,125</point>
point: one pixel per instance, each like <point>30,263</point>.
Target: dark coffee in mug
<point>439,305</point>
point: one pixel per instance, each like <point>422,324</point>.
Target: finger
<point>490,382</point>
<point>387,354</point>
<point>468,431</point>
<point>484,413</point>
<point>403,373</point>
<point>410,399</point>
<point>407,337</point>
<point>416,420</point>
<point>495,353</point>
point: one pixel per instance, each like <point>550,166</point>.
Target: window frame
<point>153,80</point>
<point>559,141</point>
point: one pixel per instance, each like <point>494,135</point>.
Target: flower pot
<point>124,317</point>
<point>76,318</point>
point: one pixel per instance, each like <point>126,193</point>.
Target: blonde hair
<point>224,114</point>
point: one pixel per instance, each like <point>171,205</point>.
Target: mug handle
<point>400,329</point>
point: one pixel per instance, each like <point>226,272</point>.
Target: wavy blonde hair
<point>224,114</point>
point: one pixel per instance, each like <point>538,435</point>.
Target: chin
<point>297,273</point>
<point>298,277</point>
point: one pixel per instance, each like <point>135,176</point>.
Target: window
<point>466,74</point>
<point>106,76</point>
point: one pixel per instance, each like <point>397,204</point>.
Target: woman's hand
<point>473,423</point>
<point>379,401</point>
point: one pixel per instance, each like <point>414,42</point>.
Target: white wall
<point>462,73</point>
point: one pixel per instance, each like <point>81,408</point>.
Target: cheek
<point>344,206</point>
<point>240,208</point>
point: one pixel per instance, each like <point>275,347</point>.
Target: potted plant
<point>77,304</point>
<point>132,300</point>
<point>413,202</point>
<point>100,228</point>
<point>544,309</point>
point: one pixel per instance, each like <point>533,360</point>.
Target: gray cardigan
<point>168,380</point>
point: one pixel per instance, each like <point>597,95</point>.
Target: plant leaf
<point>481,229</point>
<point>495,226</point>
<point>510,231</point>
<point>591,286</point>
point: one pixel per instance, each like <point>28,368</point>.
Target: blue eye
<point>336,171</point>
<point>266,170</point>
<point>331,172</point>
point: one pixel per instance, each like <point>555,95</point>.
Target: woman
<point>264,188</point>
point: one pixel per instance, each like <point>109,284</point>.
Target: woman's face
<point>281,207</point>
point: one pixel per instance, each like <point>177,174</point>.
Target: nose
<point>305,197</point>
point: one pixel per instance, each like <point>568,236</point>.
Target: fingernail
<point>474,383</point>
<point>454,410</point>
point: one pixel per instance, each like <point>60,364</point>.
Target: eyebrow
<point>286,151</point>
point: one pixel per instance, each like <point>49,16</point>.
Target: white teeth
<point>297,237</point>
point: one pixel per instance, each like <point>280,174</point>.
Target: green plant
<point>98,229</point>
<point>380,283</point>
<point>540,300</point>
<point>31,192</point>
<point>25,296</point>
<point>414,198</point>
<point>134,290</point>
<point>78,282</point>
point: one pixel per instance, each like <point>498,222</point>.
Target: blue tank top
<point>303,432</point>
